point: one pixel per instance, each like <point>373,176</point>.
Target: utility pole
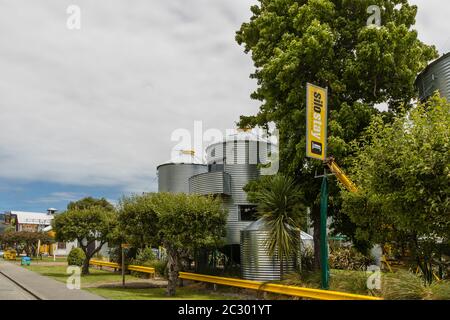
<point>323,232</point>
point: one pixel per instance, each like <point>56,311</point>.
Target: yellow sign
<point>125,245</point>
<point>316,122</point>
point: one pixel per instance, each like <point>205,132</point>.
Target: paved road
<point>10,291</point>
<point>43,287</point>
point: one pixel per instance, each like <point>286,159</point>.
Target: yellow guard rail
<point>276,288</point>
<point>130,267</point>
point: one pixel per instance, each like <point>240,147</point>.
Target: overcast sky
<point>91,111</point>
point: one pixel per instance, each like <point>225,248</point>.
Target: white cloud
<point>56,197</point>
<point>97,106</point>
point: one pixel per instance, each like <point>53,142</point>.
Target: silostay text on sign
<point>316,122</point>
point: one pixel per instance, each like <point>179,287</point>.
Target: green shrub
<point>76,257</point>
<point>307,258</point>
<point>441,290</point>
<point>348,258</point>
<point>349,281</point>
<point>403,285</point>
<point>160,267</point>
<point>144,256</point>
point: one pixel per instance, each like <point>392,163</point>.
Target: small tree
<point>180,222</point>
<point>25,241</point>
<point>90,202</point>
<point>403,171</point>
<point>88,226</point>
<point>278,205</point>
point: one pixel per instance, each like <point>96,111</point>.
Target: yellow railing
<point>277,288</point>
<point>149,270</point>
<point>130,267</point>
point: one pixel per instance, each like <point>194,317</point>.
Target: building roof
<point>32,217</point>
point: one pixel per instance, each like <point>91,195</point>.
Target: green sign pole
<point>323,232</point>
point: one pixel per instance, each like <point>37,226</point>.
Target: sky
<point>92,111</point>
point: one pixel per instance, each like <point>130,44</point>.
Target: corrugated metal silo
<point>256,264</point>
<point>238,156</point>
<point>174,177</point>
<point>435,77</point>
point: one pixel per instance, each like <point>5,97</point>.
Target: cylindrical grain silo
<point>238,156</point>
<point>436,76</point>
<point>256,264</point>
<point>174,177</point>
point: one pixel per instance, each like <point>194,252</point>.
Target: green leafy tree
<point>92,227</point>
<point>89,202</point>
<point>403,172</point>
<point>180,222</point>
<point>327,42</point>
<point>278,199</point>
<point>25,241</point>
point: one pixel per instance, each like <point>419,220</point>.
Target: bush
<point>160,267</point>
<point>349,281</point>
<point>348,258</point>
<point>115,254</point>
<point>76,257</point>
<point>307,258</point>
<point>441,290</point>
<point>144,256</point>
<point>403,285</point>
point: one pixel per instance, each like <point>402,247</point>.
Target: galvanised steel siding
<point>238,152</point>
<point>435,77</point>
<point>241,159</point>
<point>241,174</point>
<point>256,264</point>
<point>174,177</point>
<point>210,183</point>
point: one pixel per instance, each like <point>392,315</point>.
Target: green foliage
<point>348,258</point>
<point>25,241</point>
<point>404,285</point>
<point>327,42</point>
<point>76,257</point>
<point>138,221</point>
<point>349,281</point>
<point>307,258</point>
<point>441,290</point>
<point>277,200</point>
<point>181,222</point>
<point>160,267</point>
<point>90,202</point>
<point>144,255</point>
<point>403,171</point>
<point>88,226</point>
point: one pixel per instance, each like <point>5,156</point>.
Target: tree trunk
<point>173,268</point>
<point>89,254</point>
<point>315,216</point>
<point>85,269</point>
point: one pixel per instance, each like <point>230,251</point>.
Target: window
<point>248,213</point>
<point>213,152</point>
<point>61,245</point>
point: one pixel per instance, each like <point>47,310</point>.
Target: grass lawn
<point>183,293</point>
<point>98,277</point>
<point>44,259</point>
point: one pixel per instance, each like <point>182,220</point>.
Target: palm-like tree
<point>277,200</point>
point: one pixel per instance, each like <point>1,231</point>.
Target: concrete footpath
<point>42,287</point>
